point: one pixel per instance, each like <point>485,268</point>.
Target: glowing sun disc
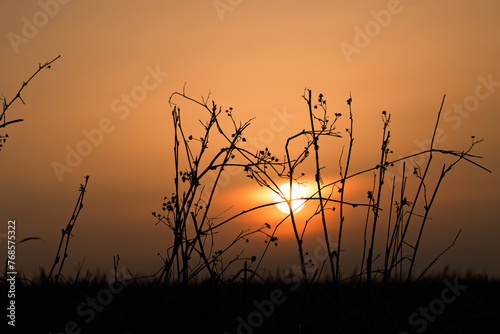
<point>298,194</point>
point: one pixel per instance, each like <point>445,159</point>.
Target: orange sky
<point>121,60</point>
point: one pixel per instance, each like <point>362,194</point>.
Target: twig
<point>437,258</point>
<point>67,232</point>
<point>343,184</point>
<point>18,95</point>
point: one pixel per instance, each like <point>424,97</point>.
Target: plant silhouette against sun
<point>187,211</point>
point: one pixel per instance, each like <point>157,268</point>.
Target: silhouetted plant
<point>66,233</point>
<point>187,214</point>
<point>397,236</point>
<point>5,105</point>
<point>186,211</point>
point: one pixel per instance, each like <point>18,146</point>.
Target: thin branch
<point>437,258</point>
<point>18,95</point>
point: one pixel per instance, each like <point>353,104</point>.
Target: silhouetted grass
<point>211,308</point>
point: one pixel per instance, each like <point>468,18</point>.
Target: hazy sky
<point>121,61</point>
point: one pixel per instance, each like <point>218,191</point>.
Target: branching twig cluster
<point>186,211</point>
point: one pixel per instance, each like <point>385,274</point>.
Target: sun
<point>298,195</point>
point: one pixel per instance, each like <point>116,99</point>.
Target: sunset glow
<point>196,128</point>
<point>298,192</point>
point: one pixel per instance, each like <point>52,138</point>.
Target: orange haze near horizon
<point>103,110</point>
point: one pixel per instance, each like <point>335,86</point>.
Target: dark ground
<point>436,305</point>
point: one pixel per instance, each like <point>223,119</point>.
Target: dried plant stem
<point>18,95</point>
<point>421,184</point>
<point>342,192</point>
<point>440,254</point>
<point>317,178</point>
<point>383,166</point>
<point>428,206</point>
<point>298,239</point>
<point>387,243</point>
<point>66,233</point>
<point>397,230</point>
<point>367,220</point>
